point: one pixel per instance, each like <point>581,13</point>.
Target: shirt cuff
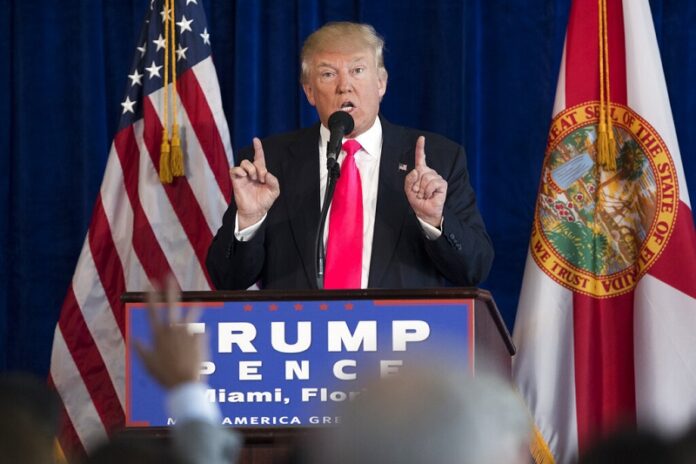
<point>431,233</point>
<point>189,401</point>
<point>247,234</point>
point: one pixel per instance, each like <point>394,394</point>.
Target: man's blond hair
<point>343,37</point>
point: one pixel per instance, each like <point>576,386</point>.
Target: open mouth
<point>348,107</point>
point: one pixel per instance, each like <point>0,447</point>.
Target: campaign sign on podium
<point>286,363</point>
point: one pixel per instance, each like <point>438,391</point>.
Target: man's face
<point>348,81</point>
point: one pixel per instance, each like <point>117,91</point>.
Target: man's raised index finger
<point>259,156</point>
<point>420,152</point>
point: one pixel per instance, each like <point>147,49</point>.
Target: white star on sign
<point>153,70</point>
<point>191,1</point>
<point>181,53</point>
<point>142,49</point>
<point>206,36</point>
<point>128,106</point>
<point>159,42</point>
<point>184,24</point>
<point>135,78</point>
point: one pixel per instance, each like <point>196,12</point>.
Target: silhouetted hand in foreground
<point>176,354</point>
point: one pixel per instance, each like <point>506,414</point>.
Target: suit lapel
<point>392,205</point>
<point>301,190</point>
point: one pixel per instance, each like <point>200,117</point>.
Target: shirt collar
<point>370,140</point>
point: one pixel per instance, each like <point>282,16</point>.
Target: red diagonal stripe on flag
<point>69,441</point>
<point>677,264</point>
<point>90,363</point>
<point>180,194</point>
<point>203,123</point>
<point>107,262</point>
<point>145,242</point>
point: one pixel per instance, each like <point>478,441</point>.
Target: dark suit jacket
<point>281,254</point>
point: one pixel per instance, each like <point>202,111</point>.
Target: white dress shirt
<point>367,160</point>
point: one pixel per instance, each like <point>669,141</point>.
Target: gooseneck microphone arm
<point>320,251</point>
<point>340,124</point>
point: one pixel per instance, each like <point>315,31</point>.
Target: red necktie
<point>345,242</point>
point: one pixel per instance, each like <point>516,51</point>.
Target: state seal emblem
<point>597,231</point>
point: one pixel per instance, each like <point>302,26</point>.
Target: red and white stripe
<point>586,365</point>
<point>141,230</point>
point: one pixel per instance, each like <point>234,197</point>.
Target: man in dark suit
<point>416,223</point>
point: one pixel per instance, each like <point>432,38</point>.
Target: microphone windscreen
<point>342,121</point>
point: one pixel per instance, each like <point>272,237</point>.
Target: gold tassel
<point>611,145</point>
<point>603,154</point>
<point>177,160</point>
<point>165,168</point>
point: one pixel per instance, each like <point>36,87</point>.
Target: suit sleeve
<point>464,252</point>
<point>235,265</point>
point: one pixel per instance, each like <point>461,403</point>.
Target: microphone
<point>340,124</point>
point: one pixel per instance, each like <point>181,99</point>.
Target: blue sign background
<point>450,329</point>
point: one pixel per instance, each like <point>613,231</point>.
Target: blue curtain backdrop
<point>482,72</point>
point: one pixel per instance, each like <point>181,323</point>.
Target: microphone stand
<point>333,172</point>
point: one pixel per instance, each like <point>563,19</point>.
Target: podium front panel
<point>287,363</point>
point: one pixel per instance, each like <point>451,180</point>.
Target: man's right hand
<point>254,188</point>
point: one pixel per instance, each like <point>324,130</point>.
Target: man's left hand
<point>426,190</point>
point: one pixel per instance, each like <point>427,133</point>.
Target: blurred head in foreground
<point>29,416</point>
<point>685,446</point>
<point>630,446</point>
<point>132,450</point>
<point>424,415</point>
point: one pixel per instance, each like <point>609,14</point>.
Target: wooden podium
<point>490,340</point>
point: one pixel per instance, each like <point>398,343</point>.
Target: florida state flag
<point>606,324</point>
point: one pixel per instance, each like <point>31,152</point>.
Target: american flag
<point>141,229</point>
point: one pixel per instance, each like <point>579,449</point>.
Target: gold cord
<point>177,156</point>
<point>606,143</point>
<point>165,171</point>
<point>610,126</point>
